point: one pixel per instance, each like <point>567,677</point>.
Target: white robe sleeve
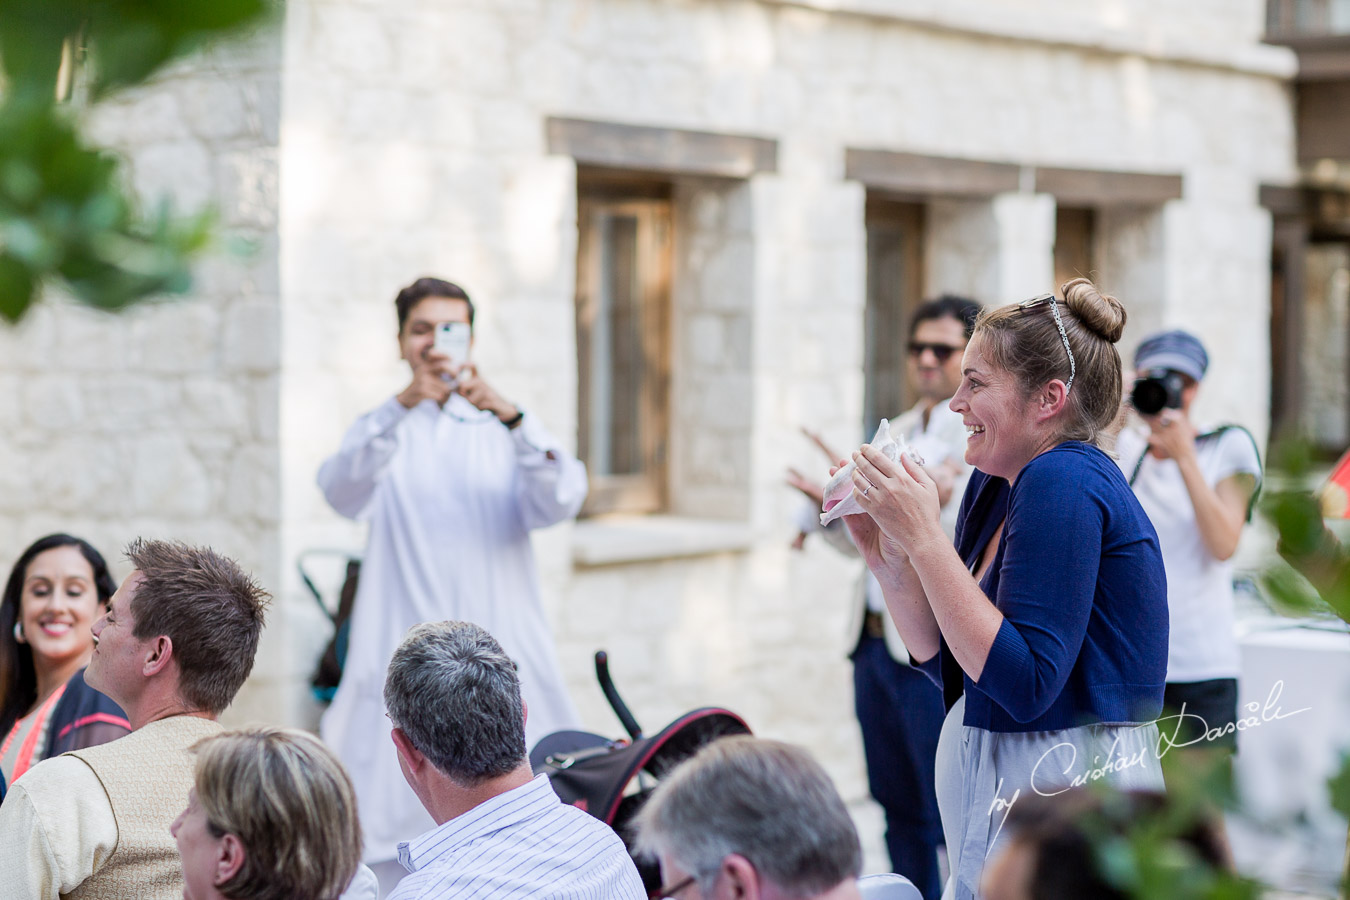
<point>363,886</point>
<point>552,483</point>
<point>348,477</point>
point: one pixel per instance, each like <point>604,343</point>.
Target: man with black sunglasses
<point>937,343</point>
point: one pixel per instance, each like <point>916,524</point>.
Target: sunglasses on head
<point>942,352</point>
<point>1059,323</point>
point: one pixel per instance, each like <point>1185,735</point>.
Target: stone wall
<point>363,144</point>
<point>414,142</point>
<point>162,421</point>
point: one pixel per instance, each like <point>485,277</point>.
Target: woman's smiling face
<point>998,416</point>
<point>58,605</point>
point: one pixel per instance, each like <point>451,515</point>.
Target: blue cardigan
<point>1079,579</point>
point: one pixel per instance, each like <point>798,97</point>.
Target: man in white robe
<point>451,478</point>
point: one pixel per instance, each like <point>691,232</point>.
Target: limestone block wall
<point>162,421</point>
<point>361,144</point>
<point>712,397</point>
<point>413,142</point>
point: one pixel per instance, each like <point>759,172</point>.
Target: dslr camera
<point>1157,390</point>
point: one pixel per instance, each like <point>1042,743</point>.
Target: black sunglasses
<point>942,352</point>
<point>668,893</point>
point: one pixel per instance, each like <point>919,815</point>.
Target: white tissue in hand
<point>839,499</point>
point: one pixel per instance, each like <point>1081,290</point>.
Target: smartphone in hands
<point>452,340</point>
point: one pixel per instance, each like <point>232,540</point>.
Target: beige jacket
<point>94,823</point>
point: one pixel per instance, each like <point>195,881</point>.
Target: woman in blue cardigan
<point>1052,606</point>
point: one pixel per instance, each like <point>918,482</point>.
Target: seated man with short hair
<point>174,647</point>
<point>753,819</point>
<point>459,728</point>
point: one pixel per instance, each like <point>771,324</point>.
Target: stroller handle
<point>616,703</point>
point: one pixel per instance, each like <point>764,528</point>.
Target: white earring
<point>18,632</point>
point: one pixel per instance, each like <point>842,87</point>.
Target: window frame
<point>650,204</point>
<point>902,223</point>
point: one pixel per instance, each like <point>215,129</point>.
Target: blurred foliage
<point>65,211</point>
<point>1314,577</point>
<point>1153,855</point>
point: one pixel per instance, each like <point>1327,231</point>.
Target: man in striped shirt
<point>453,696</point>
<point>751,819</point>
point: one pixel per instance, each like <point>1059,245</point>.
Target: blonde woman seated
<point>272,815</point>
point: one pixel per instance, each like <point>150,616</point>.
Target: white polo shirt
<point>1199,587</point>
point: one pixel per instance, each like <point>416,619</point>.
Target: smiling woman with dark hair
<point>1051,610</point>
<point>57,588</point>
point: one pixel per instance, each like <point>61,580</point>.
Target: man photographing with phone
<point>451,478</point>
<point>435,336</point>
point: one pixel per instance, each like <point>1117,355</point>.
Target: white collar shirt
<point>523,843</point>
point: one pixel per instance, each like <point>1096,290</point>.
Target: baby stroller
<point>328,671</point>
<point>611,779</point>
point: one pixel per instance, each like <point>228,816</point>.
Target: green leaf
<point>17,288</point>
<point>1339,787</point>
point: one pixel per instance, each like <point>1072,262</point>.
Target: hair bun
<point>1100,313</point>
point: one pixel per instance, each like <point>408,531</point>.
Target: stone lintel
<point>1093,187</point>
<point>912,174</point>
<point>646,148</point>
<point>1282,200</point>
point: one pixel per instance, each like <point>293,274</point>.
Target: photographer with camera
<point>1198,488</point>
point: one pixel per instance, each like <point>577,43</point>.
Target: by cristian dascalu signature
<point>1050,778</point>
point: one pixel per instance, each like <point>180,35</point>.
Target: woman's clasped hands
<point>902,510</point>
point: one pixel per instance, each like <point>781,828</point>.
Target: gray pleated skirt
<point>981,774</point>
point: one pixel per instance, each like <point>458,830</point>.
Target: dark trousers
<point>900,713</point>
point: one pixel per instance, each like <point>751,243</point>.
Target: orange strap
<point>29,746</point>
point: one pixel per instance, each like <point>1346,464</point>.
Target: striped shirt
<point>522,843</point>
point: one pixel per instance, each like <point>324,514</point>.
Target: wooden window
<point>1075,237</point>
<point>1295,18</point>
<point>894,290</point>
<point>1324,346</point>
<point>623,343</point>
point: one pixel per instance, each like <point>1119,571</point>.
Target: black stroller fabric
<point>593,773</point>
<point>594,778</point>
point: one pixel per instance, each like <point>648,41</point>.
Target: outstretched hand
<point>812,489</point>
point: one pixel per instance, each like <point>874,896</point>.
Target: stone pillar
<point>1131,258</point>
<point>997,250</point>
<point>809,295</point>
<point>1216,252</point>
<point>961,250</point>
<point>711,398</point>
<point>1026,245</point>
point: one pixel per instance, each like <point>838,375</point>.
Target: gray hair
<point>455,694</point>
<point>765,800</point>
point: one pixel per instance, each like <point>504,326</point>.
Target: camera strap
<point>1214,433</point>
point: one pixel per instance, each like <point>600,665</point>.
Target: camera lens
<point>1149,396</point>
